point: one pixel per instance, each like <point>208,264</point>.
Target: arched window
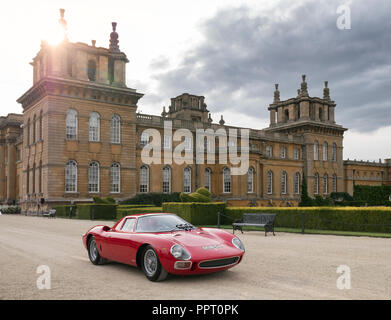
<point>144,179</point>
<point>316,183</point>
<point>283,182</point>
<point>250,180</point>
<point>286,113</point>
<point>297,183</point>
<point>316,150</point>
<point>28,132</point>
<point>93,177</point>
<point>94,126</point>
<point>34,173</point>
<point>91,70</point>
<point>269,182</point>
<point>296,153</point>
<point>71,123</point>
<point>71,176</point>
<point>334,182</point>
<point>187,180</point>
<point>325,149</point>
<point>226,180</point>
<point>28,179</point>
<point>326,184</point>
<point>144,138</point>
<point>166,179</point>
<point>208,174</point>
<point>334,152</point>
<point>115,178</point>
<point>115,129</point>
<point>40,177</point>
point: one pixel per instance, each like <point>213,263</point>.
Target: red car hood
<point>193,238</point>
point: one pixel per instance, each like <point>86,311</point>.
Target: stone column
<point>272,117</point>
<point>11,171</point>
<point>2,172</point>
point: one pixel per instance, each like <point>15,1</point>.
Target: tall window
<point>166,179</point>
<point>326,184</point>
<point>208,179</point>
<point>144,179</point>
<point>28,132</point>
<point>115,178</point>
<point>115,129</point>
<point>250,180</point>
<point>283,182</point>
<point>144,138</point>
<point>34,129</point>
<point>269,182</point>
<point>71,123</point>
<point>325,149</point>
<point>71,176</point>
<point>93,177</point>
<point>334,152</point>
<point>41,125</point>
<point>91,70</point>
<point>34,173</point>
<point>316,150</point>
<point>188,143</point>
<point>297,183</point>
<point>296,154</point>
<point>94,126</point>
<point>316,183</point>
<point>283,152</point>
<point>334,182</point>
<point>40,177</point>
<point>269,151</point>
<point>167,142</point>
<point>226,180</point>
<point>28,179</point>
<point>187,180</point>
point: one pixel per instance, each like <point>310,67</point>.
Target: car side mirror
<point>106,228</point>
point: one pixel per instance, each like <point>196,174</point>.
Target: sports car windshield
<point>162,223</point>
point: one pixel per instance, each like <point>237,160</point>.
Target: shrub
<point>193,197</point>
<point>323,218</point>
<point>205,192</point>
<point>11,210</point>
<point>64,211</point>
<point>154,198</point>
<point>97,211</point>
<point>108,200</point>
<point>195,212</point>
<point>372,195</point>
<point>122,212</point>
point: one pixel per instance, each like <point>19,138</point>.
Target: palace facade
<point>80,136</point>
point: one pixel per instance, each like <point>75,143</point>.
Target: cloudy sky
<point>232,52</point>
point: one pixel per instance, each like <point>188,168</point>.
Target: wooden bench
<point>265,220</point>
<point>50,214</point>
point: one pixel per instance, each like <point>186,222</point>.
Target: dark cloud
<point>243,54</point>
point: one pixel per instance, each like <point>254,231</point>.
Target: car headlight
<point>179,252</point>
<point>238,244</point>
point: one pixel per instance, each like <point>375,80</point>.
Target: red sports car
<point>163,243</point>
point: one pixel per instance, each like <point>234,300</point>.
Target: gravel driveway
<point>287,266</point>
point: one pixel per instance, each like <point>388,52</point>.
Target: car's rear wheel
<point>151,265</point>
<point>93,252</point>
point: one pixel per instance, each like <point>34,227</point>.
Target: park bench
<point>50,214</point>
<point>265,220</point>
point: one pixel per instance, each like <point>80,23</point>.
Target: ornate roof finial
<point>221,122</point>
<point>210,118</point>
<point>164,113</point>
<point>63,23</point>
<point>114,38</point>
<point>326,91</point>
<point>298,93</point>
<point>276,94</point>
<point>304,91</point>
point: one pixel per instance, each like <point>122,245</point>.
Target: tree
<point>306,200</point>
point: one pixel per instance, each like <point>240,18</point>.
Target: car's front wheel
<point>151,265</point>
<point>93,253</point>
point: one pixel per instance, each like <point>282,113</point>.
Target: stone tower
<point>81,80</point>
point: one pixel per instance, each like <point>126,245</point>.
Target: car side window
<point>128,225</point>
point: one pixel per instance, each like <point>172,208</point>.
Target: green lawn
<point>310,231</point>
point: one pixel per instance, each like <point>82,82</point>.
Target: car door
<point>122,246</point>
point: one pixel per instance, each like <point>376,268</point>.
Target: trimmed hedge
<point>376,219</point>
<point>97,211</point>
<point>154,198</point>
<point>122,212</point>
<point>372,195</point>
<point>64,211</point>
<point>197,213</point>
<point>10,210</point>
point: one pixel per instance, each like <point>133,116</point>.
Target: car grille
<point>218,263</point>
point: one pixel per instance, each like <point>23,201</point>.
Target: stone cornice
<point>81,90</point>
<point>275,105</point>
<point>305,124</point>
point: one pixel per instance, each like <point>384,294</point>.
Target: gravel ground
<point>287,266</point>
